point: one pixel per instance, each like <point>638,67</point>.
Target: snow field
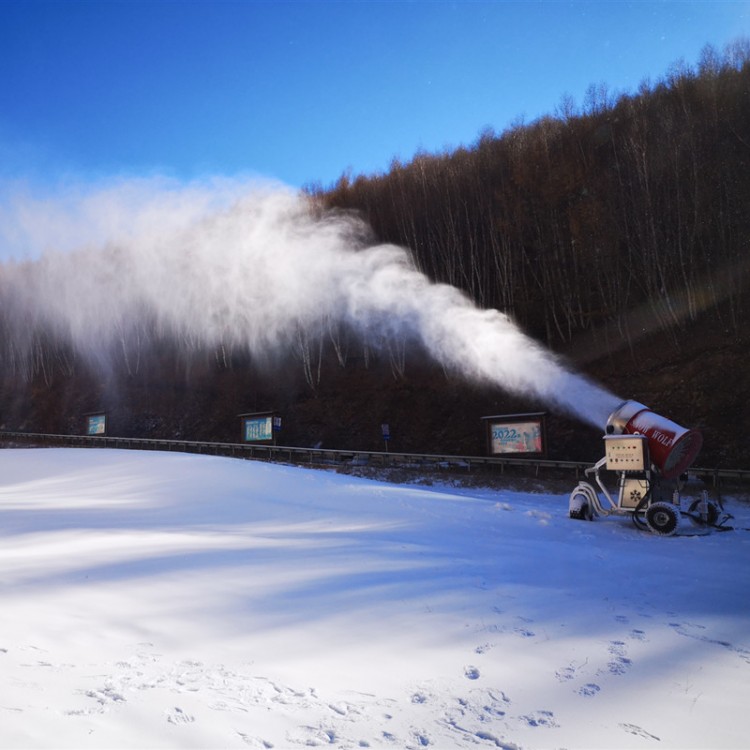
<point>173,601</point>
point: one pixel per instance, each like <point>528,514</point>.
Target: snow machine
<point>649,455</point>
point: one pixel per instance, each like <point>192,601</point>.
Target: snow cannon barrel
<point>672,448</point>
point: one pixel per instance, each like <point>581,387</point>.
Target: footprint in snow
<point>178,716</point>
<point>620,663</point>
<point>422,739</point>
<point>255,742</point>
<point>541,719</point>
<point>588,690</point>
<point>471,673</point>
<point>565,674</point>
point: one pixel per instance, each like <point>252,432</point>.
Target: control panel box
<point>626,452</point>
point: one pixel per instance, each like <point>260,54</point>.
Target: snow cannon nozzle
<point>672,448</point>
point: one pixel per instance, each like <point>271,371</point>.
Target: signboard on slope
<point>260,428</point>
<point>96,424</point>
<point>516,434</point>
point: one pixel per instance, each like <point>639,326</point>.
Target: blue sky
<point>304,91</point>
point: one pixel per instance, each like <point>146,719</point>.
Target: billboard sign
<point>516,435</point>
<point>257,429</point>
<point>96,424</point>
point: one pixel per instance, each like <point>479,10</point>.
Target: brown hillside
<point>618,235</point>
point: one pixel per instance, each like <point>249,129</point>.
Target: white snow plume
<point>256,267</point>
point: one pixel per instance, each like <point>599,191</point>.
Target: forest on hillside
<point>632,203</point>
<point>627,216</point>
<point>623,222</point>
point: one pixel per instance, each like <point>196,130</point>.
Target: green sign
<point>257,429</point>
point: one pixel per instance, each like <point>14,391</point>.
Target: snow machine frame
<point>653,503</point>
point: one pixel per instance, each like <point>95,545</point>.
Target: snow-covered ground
<point>155,600</point>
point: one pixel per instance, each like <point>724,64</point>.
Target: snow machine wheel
<point>662,518</point>
<point>578,507</point>
<point>712,511</point>
<point>581,513</point>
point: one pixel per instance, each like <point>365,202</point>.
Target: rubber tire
<point>663,518</point>
<point>582,512</point>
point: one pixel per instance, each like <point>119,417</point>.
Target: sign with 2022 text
<point>517,437</point>
<point>516,434</point>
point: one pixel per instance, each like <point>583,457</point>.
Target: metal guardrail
<point>335,457</point>
<point>295,455</point>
